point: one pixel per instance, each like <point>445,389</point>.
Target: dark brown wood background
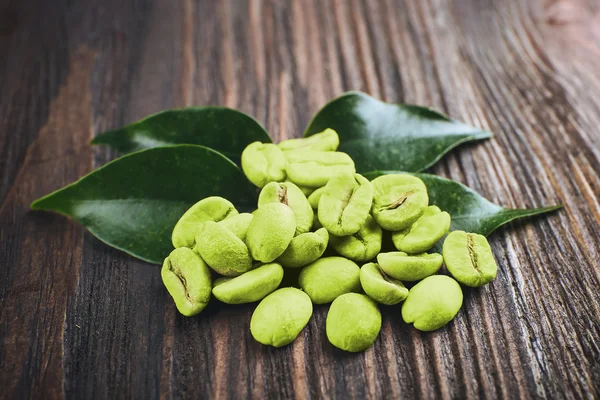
<point>80,320</point>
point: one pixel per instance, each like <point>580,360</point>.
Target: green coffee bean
<point>380,287</point>
<point>289,194</point>
<point>424,232</point>
<point>328,278</point>
<point>432,303</point>
<point>280,317</point>
<point>209,209</point>
<point>409,268</point>
<point>222,250</point>
<point>315,168</point>
<point>238,224</point>
<point>362,246</point>
<point>270,231</point>
<point>328,140</point>
<point>469,258</point>
<point>304,249</point>
<point>315,197</point>
<point>187,278</point>
<point>345,204</point>
<point>250,286</point>
<point>353,322</point>
<point>398,200</point>
<point>263,163</point>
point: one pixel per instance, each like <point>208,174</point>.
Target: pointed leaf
<point>133,202</point>
<point>384,136</point>
<point>223,129</point>
<point>470,211</point>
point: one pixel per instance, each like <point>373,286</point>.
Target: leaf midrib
<point>140,200</point>
<point>476,135</point>
<point>508,211</point>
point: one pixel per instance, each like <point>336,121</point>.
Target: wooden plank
<point>44,99</point>
<point>119,325</point>
<point>41,253</point>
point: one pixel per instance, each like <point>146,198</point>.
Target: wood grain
<point>81,320</point>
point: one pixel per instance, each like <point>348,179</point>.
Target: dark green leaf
<point>470,212</point>
<point>133,203</point>
<point>223,129</point>
<point>383,136</point>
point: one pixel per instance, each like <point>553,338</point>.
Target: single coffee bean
<point>250,286</point>
<point>315,197</point>
<point>345,204</point>
<point>304,249</point>
<point>270,231</point>
<point>469,258</point>
<point>289,194</point>
<point>353,322</point>
<point>280,317</point>
<point>398,200</point>
<point>409,268</point>
<point>424,232</point>
<point>263,163</point>
<point>328,278</point>
<point>432,303</point>
<point>361,246</point>
<point>380,287</point>
<point>238,224</point>
<point>315,168</point>
<point>328,140</point>
<point>187,279</point>
<point>209,209</point>
<point>222,250</point>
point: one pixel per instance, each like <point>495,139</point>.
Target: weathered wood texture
<point>81,320</point>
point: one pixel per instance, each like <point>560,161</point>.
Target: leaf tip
<point>38,204</point>
<point>555,207</point>
<point>483,134</point>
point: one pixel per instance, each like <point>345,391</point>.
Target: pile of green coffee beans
<point>311,198</point>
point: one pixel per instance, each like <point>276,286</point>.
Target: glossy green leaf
<point>133,202</point>
<point>470,211</point>
<point>383,136</point>
<point>223,129</point>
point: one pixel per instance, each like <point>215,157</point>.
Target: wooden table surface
<point>81,320</point>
